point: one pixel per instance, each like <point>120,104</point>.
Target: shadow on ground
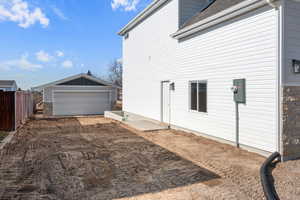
<point>71,159</point>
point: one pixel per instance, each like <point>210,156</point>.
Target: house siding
<point>147,60</point>
<point>245,47</point>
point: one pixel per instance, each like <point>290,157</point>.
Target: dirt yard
<point>3,135</point>
<point>96,158</point>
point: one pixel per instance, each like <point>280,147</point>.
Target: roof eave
<point>143,15</point>
<point>218,18</point>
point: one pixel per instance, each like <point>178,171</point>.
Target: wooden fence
<point>15,109</point>
<point>7,110</point>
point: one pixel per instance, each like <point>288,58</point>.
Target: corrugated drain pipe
<point>266,178</point>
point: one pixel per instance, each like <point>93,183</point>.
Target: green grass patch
<point>3,135</point>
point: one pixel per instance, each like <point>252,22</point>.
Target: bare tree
<point>115,72</point>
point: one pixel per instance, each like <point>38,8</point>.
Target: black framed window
<point>198,96</point>
<point>193,96</point>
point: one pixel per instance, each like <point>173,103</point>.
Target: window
<point>198,96</point>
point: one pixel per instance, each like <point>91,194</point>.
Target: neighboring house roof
<point>8,83</point>
<point>214,8</point>
<point>72,79</point>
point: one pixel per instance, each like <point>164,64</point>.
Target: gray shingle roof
<point>214,8</point>
<point>7,82</point>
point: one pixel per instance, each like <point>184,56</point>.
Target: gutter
<point>143,15</point>
<point>281,58</point>
<point>222,16</point>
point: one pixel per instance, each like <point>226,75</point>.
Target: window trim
<point>190,96</point>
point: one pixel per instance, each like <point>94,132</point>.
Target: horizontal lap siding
<point>292,40</point>
<point>245,47</point>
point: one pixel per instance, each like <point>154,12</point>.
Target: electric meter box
<point>240,95</point>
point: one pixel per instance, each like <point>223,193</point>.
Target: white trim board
<point>142,16</point>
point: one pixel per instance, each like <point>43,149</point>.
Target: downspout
<point>279,53</point>
<point>281,58</point>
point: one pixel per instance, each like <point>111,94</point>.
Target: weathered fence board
<point>24,107</point>
<point>7,110</point>
<point>15,108</point>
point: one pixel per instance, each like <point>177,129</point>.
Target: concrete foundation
<point>290,122</point>
<point>48,109</point>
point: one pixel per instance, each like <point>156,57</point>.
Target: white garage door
<point>80,103</point>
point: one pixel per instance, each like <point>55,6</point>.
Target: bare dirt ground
<point>96,158</point>
<point>287,180</point>
<point>3,135</point>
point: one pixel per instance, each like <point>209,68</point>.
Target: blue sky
<point>46,40</point>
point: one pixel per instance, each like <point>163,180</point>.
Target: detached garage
<point>82,94</point>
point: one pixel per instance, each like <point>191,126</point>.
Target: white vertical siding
<point>291,41</point>
<point>245,47</point>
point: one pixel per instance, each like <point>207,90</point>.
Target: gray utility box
<point>240,94</point>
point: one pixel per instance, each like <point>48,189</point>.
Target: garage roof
<point>7,82</point>
<point>72,80</point>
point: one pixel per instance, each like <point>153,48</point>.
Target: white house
<point>8,85</point>
<point>181,58</point>
<point>81,94</point>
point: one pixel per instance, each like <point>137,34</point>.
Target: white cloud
<point>59,13</point>
<point>43,56</point>
<point>67,64</point>
<point>120,60</point>
<point>22,63</point>
<point>126,5</point>
<point>18,11</point>
<point>59,54</point>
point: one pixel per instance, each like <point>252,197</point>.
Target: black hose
<point>267,179</point>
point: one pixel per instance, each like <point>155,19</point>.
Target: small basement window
<point>198,96</point>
